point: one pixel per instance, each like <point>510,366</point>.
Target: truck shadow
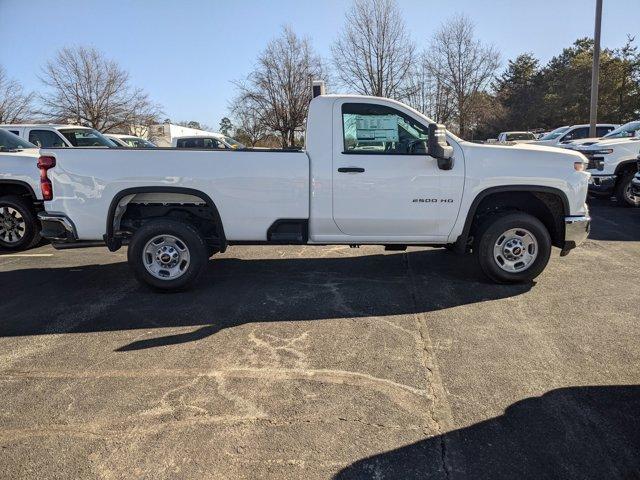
<point>590,432</point>
<point>233,292</point>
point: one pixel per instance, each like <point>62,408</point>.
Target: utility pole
<point>595,71</point>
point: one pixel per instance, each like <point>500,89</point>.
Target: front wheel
<point>624,194</point>
<point>513,248</point>
<point>167,255</point>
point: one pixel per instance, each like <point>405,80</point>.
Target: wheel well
<point>133,208</point>
<point>629,166</point>
<point>23,190</point>
<point>16,188</point>
<point>547,207</point>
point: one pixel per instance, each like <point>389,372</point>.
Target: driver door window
<point>378,129</point>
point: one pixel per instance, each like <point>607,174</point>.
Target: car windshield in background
<point>137,142</point>
<point>555,133</point>
<point>9,141</point>
<point>85,137</point>
<point>234,143</point>
<point>520,136</point>
<point>626,130</point>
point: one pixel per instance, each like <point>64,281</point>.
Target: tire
<point>494,246</point>
<point>179,245</point>
<point>19,226</point>
<point>623,191</point>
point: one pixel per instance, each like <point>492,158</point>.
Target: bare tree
<point>250,127</point>
<point>15,105</point>
<point>374,54</point>
<point>278,91</point>
<point>462,64</point>
<point>88,89</point>
<point>427,94</point>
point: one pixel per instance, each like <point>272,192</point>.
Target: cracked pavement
<point>324,362</point>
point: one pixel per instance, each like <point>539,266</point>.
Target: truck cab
<point>59,136</point>
<point>563,136</point>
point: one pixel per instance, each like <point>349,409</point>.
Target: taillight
<point>44,164</point>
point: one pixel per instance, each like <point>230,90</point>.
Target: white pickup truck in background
<point>613,163</point>
<point>48,135</point>
<point>374,172</point>
<point>20,193</point>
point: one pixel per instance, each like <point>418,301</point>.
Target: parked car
<point>51,135</point>
<point>628,130</point>
<point>374,171</point>
<point>520,137</point>
<point>213,141</point>
<point>563,135</point>
<point>20,193</point>
<point>612,163</point>
<point>129,141</point>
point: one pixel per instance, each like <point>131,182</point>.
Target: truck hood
<point>613,142</point>
<point>528,151</point>
<point>581,142</point>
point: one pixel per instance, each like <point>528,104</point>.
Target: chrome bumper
<point>57,227</point>
<point>576,231</point>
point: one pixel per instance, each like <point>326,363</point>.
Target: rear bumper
<point>57,227</point>
<point>635,185</point>
<point>60,230</point>
<point>576,231</point>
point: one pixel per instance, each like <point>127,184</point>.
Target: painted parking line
<point>21,255</point>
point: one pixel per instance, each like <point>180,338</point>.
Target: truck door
<point>384,183</point>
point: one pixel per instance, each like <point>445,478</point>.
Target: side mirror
<point>438,147</point>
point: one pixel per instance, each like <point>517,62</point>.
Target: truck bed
<point>251,188</point>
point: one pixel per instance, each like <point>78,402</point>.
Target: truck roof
<point>50,125</point>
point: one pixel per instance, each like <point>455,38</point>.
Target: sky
<point>186,54</point>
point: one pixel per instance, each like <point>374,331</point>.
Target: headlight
<point>604,151</point>
<point>579,166</point>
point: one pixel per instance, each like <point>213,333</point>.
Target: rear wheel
<point>167,255</point>
<point>624,195</point>
<point>19,227</point>
<point>513,248</point>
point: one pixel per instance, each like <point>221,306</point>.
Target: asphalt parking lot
<point>324,362</point>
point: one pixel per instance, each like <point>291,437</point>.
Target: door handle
<point>351,170</point>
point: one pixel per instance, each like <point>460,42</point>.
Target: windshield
<point>86,137</point>
<point>137,142</point>
<point>555,133</point>
<point>626,130</point>
<point>9,141</point>
<point>234,143</point>
<point>520,136</point>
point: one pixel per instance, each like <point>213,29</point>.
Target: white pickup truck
<point>613,163</point>
<point>20,195</point>
<point>374,172</point>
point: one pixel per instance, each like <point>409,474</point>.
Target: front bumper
<point>576,231</point>
<point>602,183</point>
<point>57,227</point>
